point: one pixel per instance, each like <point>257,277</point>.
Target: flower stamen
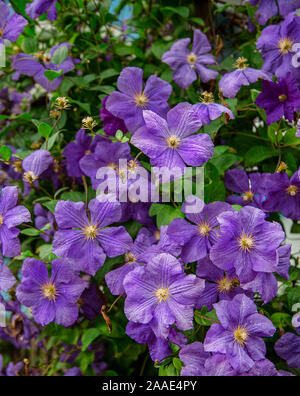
<point>141,100</point>
<point>173,142</point>
<point>192,59</point>
<point>246,242</point>
<point>292,190</point>
<point>49,291</point>
<point>162,294</point>
<point>285,45</point>
<point>29,177</point>
<point>204,229</point>
<point>241,63</point>
<point>241,335</point>
<point>248,196</point>
<point>91,232</point>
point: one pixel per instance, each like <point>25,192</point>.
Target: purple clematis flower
<point>161,294</point>
<point>39,7</point>
<point>288,348</point>
<point>42,218</point>
<point>159,348</point>
<point>276,45</point>
<point>91,302</point>
<point>219,286</point>
<point>35,66</point>
<point>197,238</point>
<point>76,152</point>
<point>266,284</point>
<point>283,194</point>
<point>231,83</point>
<point>11,216</point>
<point>104,155</point>
<point>7,280</point>
<point>13,370</point>
<point>279,100</point>
<point>111,124</point>
<point>36,164</point>
<point>115,278</point>
<point>269,8</point>
<point>169,143</point>
<point>194,357</point>
<point>52,299</point>
<point>239,334</point>
<point>187,64</point>
<point>251,189</point>
<point>133,99</point>
<point>88,240</point>
<point>10,27</point>
<point>208,110</point>
<point>247,243</point>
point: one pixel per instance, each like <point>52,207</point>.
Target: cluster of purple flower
<point>237,252</point>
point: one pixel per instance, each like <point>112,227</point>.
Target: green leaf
<point>290,137</point>
<point>225,161</point>
<point>272,133</point>
<point>85,106</point>
<point>119,135</point>
<point>199,21</point>
<point>258,154</point>
<point>5,153</point>
<point>74,196</point>
<point>30,232</point>
<point>50,205</point>
<point>45,251</point>
<point>280,319</point>
<point>52,75</point>
<point>60,55</point>
<point>158,49</point>
<point>44,130</point>
<point>184,12</point>
<point>165,214</point>
<point>88,337</point>
<point>51,141</point>
<point>30,45</point>
<point>293,294</point>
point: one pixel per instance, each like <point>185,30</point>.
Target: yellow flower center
<point>30,177</point>
<point>292,190</point>
<point>47,58</point>
<point>285,45</point>
<point>1,32</point>
<point>62,103</point>
<point>89,123</point>
<point>130,258</point>
<point>141,100</point>
<point>282,98</point>
<point>192,59</point>
<point>226,285</point>
<point>246,242</point>
<point>162,294</point>
<point>17,166</point>
<point>91,232</point>
<point>49,291</point>
<point>204,229</point>
<point>241,63</point>
<point>241,335</point>
<point>248,196</point>
<point>157,235</point>
<point>173,142</point>
<point>207,97</point>
<point>1,220</point>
